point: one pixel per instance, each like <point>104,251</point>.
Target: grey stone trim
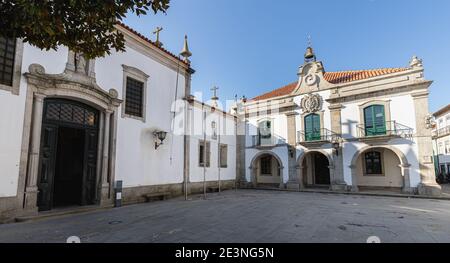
<point>139,75</point>
<point>134,195</point>
<point>15,88</point>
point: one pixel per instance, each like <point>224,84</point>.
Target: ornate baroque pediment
<point>311,103</point>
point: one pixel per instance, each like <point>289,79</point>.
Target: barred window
<point>202,158</point>
<point>223,155</point>
<point>7,53</point>
<point>373,163</point>
<point>266,165</point>
<point>134,97</point>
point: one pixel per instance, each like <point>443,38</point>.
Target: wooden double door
<point>68,155</point>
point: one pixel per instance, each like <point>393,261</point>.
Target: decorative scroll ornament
<point>311,79</point>
<point>311,103</point>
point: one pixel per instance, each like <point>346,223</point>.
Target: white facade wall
<point>225,135</point>
<point>12,112</point>
<point>138,163</point>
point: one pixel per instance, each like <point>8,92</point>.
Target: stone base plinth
<point>429,189</point>
<point>293,186</point>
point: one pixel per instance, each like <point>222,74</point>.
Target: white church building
<point>73,129</point>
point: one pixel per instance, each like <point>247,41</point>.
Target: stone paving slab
<point>250,216</point>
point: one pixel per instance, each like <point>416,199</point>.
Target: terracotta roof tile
<point>151,42</point>
<point>334,78</point>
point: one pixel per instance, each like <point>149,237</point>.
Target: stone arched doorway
<point>96,131</point>
<point>380,167</point>
<point>267,170</point>
<point>315,169</point>
<point>68,159</point>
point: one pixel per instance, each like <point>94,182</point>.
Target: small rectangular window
<point>373,163</point>
<point>134,97</point>
<point>223,155</point>
<point>266,165</point>
<point>7,54</point>
<point>204,154</point>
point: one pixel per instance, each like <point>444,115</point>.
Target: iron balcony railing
<point>442,132</point>
<point>317,136</point>
<point>259,140</point>
<point>390,128</point>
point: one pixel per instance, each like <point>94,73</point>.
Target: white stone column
<point>31,191</point>
<point>428,185</point>
<point>293,182</point>
<point>105,158</point>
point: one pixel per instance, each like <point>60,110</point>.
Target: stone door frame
<point>71,86</point>
<point>301,158</point>
<point>254,169</point>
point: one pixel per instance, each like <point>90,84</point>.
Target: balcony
<point>259,141</point>
<point>317,138</point>
<point>390,129</point>
<point>441,132</point>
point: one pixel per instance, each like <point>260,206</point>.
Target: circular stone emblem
<point>311,103</point>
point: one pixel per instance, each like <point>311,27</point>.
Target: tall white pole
<point>204,151</point>
<point>219,148</point>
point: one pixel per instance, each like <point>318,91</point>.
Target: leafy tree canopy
<point>85,26</point>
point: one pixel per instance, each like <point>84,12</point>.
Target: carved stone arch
<point>301,158</point>
<point>253,167</point>
<point>404,165</point>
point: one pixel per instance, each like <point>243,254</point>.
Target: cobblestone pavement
<point>250,216</point>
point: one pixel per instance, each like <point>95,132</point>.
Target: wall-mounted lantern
<point>160,136</point>
<point>336,145</point>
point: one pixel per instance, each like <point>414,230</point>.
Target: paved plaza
<point>250,216</point>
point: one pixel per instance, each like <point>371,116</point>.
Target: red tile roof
<point>334,78</point>
<point>151,42</point>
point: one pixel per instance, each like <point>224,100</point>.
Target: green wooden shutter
<point>375,120</point>
<point>312,127</point>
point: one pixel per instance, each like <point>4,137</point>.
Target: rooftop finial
<point>309,55</point>
<point>156,32</point>
<point>185,52</point>
<point>214,97</point>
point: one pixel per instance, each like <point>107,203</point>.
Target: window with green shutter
<point>312,127</point>
<point>374,120</point>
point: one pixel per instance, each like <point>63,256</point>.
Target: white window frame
<point>139,75</point>
<point>207,157</point>
<point>221,163</point>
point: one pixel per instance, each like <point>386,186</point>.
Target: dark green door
<point>374,120</point>
<point>312,127</point>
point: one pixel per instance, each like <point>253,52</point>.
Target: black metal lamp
<point>161,136</point>
<point>336,145</point>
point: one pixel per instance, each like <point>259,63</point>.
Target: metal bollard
<point>118,194</point>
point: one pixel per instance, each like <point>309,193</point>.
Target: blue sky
<point>248,47</point>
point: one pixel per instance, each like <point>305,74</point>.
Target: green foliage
<point>85,26</point>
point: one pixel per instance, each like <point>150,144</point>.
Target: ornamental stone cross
<point>214,90</point>
<point>156,32</point>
